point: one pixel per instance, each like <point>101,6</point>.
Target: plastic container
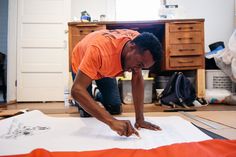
<point>126,90</point>
<point>145,73</point>
<point>128,75</point>
<point>216,79</point>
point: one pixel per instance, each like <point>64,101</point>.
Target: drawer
<point>185,49</point>
<point>74,41</point>
<point>185,37</point>
<point>185,27</point>
<point>79,30</point>
<point>194,61</point>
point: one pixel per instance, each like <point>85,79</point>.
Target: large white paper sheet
<point>24,133</point>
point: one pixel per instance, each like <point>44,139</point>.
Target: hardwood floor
<point>220,113</point>
<point>59,108</point>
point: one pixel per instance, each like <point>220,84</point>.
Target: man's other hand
<point>147,125</point>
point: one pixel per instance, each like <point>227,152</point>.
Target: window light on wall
<point>132,10</point>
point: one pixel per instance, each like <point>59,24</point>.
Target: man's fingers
<point>119,133</point>
<point>147,125</point>
<point>137,126</point>
<point>133,131</point>
<point>129,130</point>
<point>152,127</point>
<point>126,129</point>
<point>155,127</point>
<point>136,133</point>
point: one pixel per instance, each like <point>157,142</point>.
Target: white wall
<point>218,15</point>
<point>235,14</point>
<point>94,7</point>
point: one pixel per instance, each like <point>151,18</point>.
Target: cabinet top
<point>161,21</point>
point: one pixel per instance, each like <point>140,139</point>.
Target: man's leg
<point>110,95</point>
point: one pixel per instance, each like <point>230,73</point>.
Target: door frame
<point>12,49</point>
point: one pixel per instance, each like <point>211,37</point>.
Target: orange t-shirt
<point>98,55</point>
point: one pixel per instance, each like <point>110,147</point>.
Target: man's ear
<point>132,46</point>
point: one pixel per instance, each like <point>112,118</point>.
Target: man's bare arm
<point>79,93</point>
<point>138,97</point>
<point>138,94</point>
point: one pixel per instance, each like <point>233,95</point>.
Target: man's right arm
<point>79,93</point>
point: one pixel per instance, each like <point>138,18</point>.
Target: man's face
<point>135,61</point>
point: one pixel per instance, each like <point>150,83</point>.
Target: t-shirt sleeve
<point>129,33</point>
<point>133,34</point>
<point>91,62</point>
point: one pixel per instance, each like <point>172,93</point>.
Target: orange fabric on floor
<point>209,148</point>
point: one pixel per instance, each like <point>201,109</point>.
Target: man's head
<point>142,52</point>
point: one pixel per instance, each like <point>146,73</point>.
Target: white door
<point>42,55</point>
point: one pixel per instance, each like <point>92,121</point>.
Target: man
<point>106,54</point>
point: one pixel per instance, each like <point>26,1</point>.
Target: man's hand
<point>123,128</point>
<point>147,125</point>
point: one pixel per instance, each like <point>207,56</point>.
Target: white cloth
<point>26,132</point>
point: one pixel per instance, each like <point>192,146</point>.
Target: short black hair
<point>148,41</point>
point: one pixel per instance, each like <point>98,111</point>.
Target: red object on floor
<point>209,148</point>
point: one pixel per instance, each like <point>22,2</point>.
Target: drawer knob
<point>185,38</point>
<point>186,49</point>
<point>190,61</point>
<point>182,28</point>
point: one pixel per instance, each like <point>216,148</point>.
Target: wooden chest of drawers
<point>184,45</point>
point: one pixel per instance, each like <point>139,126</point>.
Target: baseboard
<point>11,102</point>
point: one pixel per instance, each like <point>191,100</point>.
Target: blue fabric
<point>215,51</point>
<point>73,75</point>
<point>109,92</point>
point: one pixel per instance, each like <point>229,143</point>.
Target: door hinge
<point>16,83</point>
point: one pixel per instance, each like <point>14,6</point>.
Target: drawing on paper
<point>18,129</point>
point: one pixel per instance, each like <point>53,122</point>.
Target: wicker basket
<point>216,79</point>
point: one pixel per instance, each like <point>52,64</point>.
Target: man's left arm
<point>138,98</point>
